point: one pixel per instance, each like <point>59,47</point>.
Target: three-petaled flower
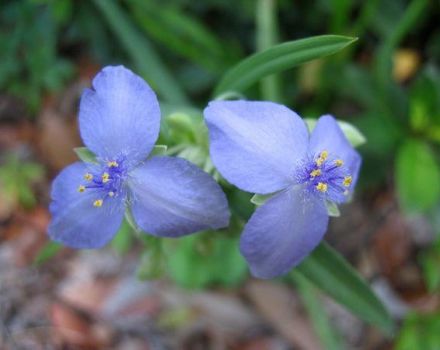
<point>265,148</point>
<point>119,121</point>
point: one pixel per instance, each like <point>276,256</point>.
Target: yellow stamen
<point>322,158</point>
<point>88,177</point>
<point>105,177</point>
<point>323,155</point>
<point>81,188</point>
<point>315,173</point>
<point>111,194</point>
<point>98,203</point>
<point>322,187</point>
<point>112,164</point>
<point>347,181</point>
<point>339,162</point>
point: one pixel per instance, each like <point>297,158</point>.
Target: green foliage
<point>207,259</point>
<point>430,261</point>
<point>279,58</point>
<point>31,65</point>
<point>47,252</point>
<point>417,177</point>
<point>419,332</point>
<point>331,273</point>
<point>142,52</point>
<point>17,179</point>
<point>329,338</point>
<point>85,154</point>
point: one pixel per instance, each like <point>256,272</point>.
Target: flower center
<point>106,180</point>
<point>326,175</point>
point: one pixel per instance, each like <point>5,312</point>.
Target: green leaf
<point>259,199</point>
<point>49,250</point>
<point>141,51</point>
<point>332,209</point>
<point>330,272</point>
<point>430,261</point>
<point>159,150</point>
<point>417,177</point>
<point>123,240</point>
<point>419,332</point>
<point>328,336</point>
<point>85,154</point>
<point>203,260</point>
<point>353,134</point>
<point>279,58</point>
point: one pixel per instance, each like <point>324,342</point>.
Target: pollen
<point>81,188</point>
<point>105,177</point>
<point>339,162</point>
<point>112,164</point>
<point>111,194</point>
<point>322,158</point>
<point>322,187</point>
<point>88,177</point>
<point>315,173</point>
<point>347,181</point>
<point>98,203</point>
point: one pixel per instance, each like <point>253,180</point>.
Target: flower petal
<point>256,145</point>
<point>75,221</point>
<point>283,231</point>
<point>120,116</point>
<point>327,135</point>
<point>172,197</point>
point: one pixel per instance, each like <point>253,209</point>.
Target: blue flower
<point>119,121</point>
<point>265,148</point>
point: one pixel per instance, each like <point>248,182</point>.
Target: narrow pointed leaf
<point>279,58</point>
<point>330,272</point>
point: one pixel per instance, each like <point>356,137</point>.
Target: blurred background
<point>196,293</point>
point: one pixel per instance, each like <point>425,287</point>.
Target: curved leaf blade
<point>330,272</point>
<point>279,58</point>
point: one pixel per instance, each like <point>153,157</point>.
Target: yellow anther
<point>322,158</point>
<point>347,181</point>
<point>88,177</point>
<point>339,162</point>
<point>81,188</point>
<point>111,194</point>
<point>322,187</point>
<point>315,173</point>
<point>98,203</point>
<point>324,155</point>
<point>112,164</point>
<point>105,177</point>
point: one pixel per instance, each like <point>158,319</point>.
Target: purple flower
<point>119,121</point>
<point>265,148</point>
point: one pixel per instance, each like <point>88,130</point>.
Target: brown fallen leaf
<point>72,329</point>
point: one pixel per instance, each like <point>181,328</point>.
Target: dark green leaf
<point>330,272</point>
